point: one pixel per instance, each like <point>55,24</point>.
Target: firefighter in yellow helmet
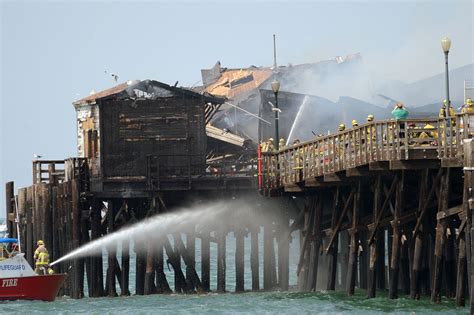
<point>41,258</point>
<point>354,123</point>
<point>468,108</point>
<point>370,118</point>
<point>442,111</point>
<point>281,144</point>
<point>341,127</point>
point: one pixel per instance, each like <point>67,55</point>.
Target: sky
<point>54,52</point>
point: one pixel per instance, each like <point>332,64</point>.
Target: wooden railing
<point>387,140</point>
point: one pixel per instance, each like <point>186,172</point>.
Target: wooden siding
<point>171,129</point>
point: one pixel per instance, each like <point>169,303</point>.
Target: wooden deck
<point>361,151</point>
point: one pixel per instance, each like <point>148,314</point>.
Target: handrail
<point>383,140</point>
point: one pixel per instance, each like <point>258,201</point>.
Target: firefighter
<point>41,258</point>
<point>270,145</point>
<point>341,127</point>
<point>281,144</point>
<point>354,123</point>
<point>468,108</point>
<point>429,135</point>
<point>442,111</point>
<point>370,119</point>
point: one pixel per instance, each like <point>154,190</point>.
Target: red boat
<point>18,281</point>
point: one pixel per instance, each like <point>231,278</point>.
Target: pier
<point>386,205</point>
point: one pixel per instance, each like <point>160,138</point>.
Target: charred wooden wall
<point>171,128</point>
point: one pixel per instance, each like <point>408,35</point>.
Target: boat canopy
<point>8,240</point>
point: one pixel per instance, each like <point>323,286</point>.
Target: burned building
<point>141,130</point>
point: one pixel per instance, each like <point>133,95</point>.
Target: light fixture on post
<point>446,45</point>
<point>276,88</point>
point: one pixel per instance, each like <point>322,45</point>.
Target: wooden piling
<point>140,268</point>
<point>405,263</point>
<point>468,148</point>
<point>149,285</point>
<point>461,272</point>
<point>193,282</point>
<point>239,260</point>
<point>396,239</point>
<point>205,260</point>
<point>419,236</point>
<point>374,255</point>
<point>221,265</point>
<point>149,282</point>
<point>125,268</point>
<point>283,253</point>
<point>254,259</point>
<point>10,208</point>
<point>174,259</point>
<point>332,265</point>
<point>440,239</point>
<point>450,261</point>
<point>29,225</point>
<point>380,268</point>
<point>111,250</point>
<point>162,285</point>
<point>268,256</point>
<point>191,253</point>
<point>315,245</point>
<point>354,244</point>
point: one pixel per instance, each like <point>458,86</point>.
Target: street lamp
<point>276,88</point>
<point>446,45</point>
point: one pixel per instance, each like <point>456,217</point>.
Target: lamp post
<point>446,45</point>
<point>276,88</point>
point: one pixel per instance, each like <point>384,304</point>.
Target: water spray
<point>153,228</point>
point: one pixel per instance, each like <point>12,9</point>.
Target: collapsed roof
<point>146,89</point>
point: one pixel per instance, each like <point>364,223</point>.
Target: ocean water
<point>231,303</point>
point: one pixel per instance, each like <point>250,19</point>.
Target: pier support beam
<point>374,254</point>
<point>239,260</point>
<point>267,257</point>
<point>315,245</point>
<point>254,259</point>
<point>10,208</point>
<point>149,285</point>
<point>284,253</point>
<point>461,272</point>
<point>221,265</point>
<point>419,237</point>
<point>440,239</point>
<point>111,250</point>
<point>140,269</point>
<point>396,239</point>
<point>354,244</point>
<point>332,252</point>
<point>96,261</point>
<point>468,201</point>
<point>174,259</point>
<point>125,268</point>
<point>191,255</point>
<point>205,260</point>
<point>162,285</point>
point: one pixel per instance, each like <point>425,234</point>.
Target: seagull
<point>37,156</point>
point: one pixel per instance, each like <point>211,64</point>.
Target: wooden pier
<point>400,191</point>
<point>386,191</point>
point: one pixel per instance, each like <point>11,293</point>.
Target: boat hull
<point>44,288</point>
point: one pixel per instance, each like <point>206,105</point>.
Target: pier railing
<point>387,140</point>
